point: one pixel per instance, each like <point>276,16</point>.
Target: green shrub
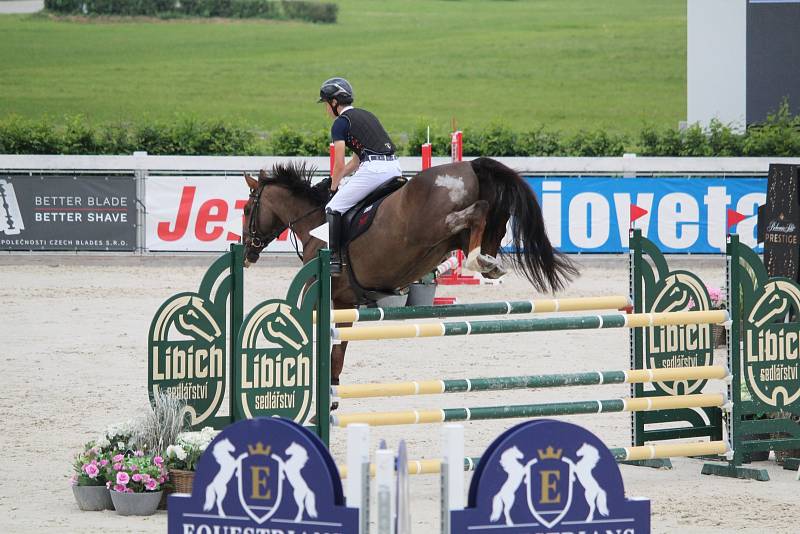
<point>266,9</point>
<point>310,11</point>
<point>778,136</point>
<point>539,142</point>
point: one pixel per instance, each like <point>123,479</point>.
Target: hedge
<point>265,9</point>
<point>779,136</point>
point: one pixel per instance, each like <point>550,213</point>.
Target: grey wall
<point>773,57</point>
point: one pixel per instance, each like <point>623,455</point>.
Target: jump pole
<point>621,454</point>
<point>444,415</point>
<point>501,326</point>
<point>512,307</point>
<point>432,387</point>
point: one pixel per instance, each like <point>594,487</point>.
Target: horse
<point>595,495</point>
<point>304,498</point>
<point>218,487</point>
<point>504,499</point>
<point>457,206</point>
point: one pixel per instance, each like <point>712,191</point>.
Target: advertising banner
<point>67,213</point>
<point>682,214</point>
<point>198,213</point>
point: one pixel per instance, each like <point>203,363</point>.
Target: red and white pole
<point>427,156</point>
<point>457,146</point>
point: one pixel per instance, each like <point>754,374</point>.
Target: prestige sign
<point>67,213</point>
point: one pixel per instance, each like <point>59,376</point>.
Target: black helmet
<point>337,88</point>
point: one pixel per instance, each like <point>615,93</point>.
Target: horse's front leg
<point>337,362</point>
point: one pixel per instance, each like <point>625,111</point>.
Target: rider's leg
<point>334,219</point>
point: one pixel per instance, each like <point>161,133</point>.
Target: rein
<point>260,241</point>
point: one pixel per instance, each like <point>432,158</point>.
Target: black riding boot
<point>334,234</point>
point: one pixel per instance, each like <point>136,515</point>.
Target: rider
<point>373,162</point>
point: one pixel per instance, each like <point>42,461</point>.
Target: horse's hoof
<point>484,264</point>
<point>494,274</point>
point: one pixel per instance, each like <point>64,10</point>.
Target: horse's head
<point>223,448</point>
<point>510,458</point>
<point>194,320</point>
<point>297,451</point>
<point>282,327</point>
<point>279,199</point>
<point>775,302</point>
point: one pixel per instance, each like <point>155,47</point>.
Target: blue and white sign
<point>264,475</point>
<point>684,214</point>
<point>550,477</point>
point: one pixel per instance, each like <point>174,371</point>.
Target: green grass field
<point>567,64</point>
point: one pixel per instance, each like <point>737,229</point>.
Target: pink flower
<point>158,460</point>
<point>134,467</point>
<point>118,458</point>
<point>103,462</point>
<point>117,466</point>
<point>137,477</point>
<point>145,477</point>
<point>120,488</point>
<point>73,480</point>
<point>123,478</point>
<point>108,484</point>
<point>161,479</point>
<point>138,454</point>
<point>91,469</point>
<point>151,485</point>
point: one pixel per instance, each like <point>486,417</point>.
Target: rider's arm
<point>339,167</point>
<point>352,165</point>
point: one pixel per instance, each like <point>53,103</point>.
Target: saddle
<point>355,222</point>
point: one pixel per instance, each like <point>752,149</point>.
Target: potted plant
<point>718,302</point>
<point>136,482</point>
<point>89,481</point>
<point>183,455</point>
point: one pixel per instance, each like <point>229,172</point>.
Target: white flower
<point>177,452</point>
<point>103,443</point>
<point>121,445</point>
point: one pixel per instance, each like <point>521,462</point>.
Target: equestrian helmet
<point>337,88</point>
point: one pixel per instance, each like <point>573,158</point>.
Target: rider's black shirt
<point>362,132</point>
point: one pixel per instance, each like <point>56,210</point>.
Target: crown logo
<point>260,449</point>
<point>549,453</point>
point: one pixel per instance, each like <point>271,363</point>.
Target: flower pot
<point>92,498</point>
<point>421,294</point>
<point>136,503</point>
<point>182,480</point>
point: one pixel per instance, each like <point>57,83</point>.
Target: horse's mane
<point>296,177</point>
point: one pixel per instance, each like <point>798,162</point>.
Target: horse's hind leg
<point>473,218</point>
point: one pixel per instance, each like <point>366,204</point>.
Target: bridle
<point>260,241</point>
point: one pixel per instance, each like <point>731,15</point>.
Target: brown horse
<point>463,205</point>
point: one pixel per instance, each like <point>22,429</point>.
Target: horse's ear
<point>252,183</point>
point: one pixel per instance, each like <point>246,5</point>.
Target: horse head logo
<point>776,300</point>
<point>280,326</point>
<point>680,291</point>
<point>190,316</point>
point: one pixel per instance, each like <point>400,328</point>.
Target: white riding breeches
<point>368,177</point>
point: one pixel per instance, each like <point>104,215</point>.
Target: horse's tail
<point>311,504</point>
<point>497,508</point>
<point>210,495</point>
<point>602,505</point>
<point>546,268</point>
